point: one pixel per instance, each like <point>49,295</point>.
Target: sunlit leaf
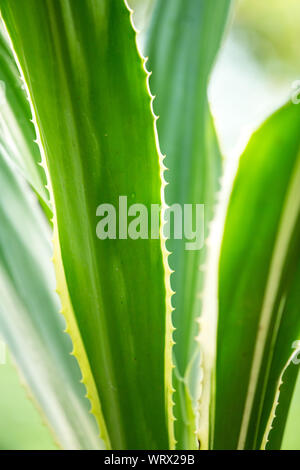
<point>183,41</point>
<point>30,323</point>
<point>16,129</point>
<point>259,283</point>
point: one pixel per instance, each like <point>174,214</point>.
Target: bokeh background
<point>254,73</point>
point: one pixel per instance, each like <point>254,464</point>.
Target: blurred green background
<point>21,425</point>
<point>256,68</point>
<point>253,76</point>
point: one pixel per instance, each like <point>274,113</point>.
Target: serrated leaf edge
<point>61,286</point>
<point>169,341</point>
<point>272,416</point>
<point>209,316</point>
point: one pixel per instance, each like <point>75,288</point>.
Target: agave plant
<point>157,347</point>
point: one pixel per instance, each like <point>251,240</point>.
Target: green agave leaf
<point>183,41</point>
<point>290,439</point>
<point>271,435</point>
<point>92,109</point>
<point>16,131</point>
<point>276,428</point>
<point>259,284</point>
<point>29,321</point>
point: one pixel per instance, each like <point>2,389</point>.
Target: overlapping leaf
<point>29,320</point>
<point>259,284</point>
<point>17,132</point>
<point>183,41</point>
<point>290,438</point>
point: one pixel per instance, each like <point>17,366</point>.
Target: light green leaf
<point>183,41</point>
<point>16,131</point>
<point>291,437</point>
<point>89,95</point>
<point>29,320</point>
<point>276,430</point>
<point>259,284</point>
